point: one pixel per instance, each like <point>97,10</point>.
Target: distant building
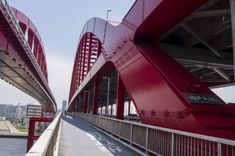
<point>64,105</point>
<point>3,109</point>
<point>11,111</point>
<point>34,110</point>
<point>19,113</point>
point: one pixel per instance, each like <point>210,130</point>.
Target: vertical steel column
<point>30,38</point>
<point>76,105</point>
<point>232,8</point>
<point>35,50</point>
<point>99,48</point>
<point>88,102</point>
<point>95,96</point>
<point>30,134</point>
<point>111,110</point>
<point>108,94</point>
<point>80,103</point>
<point>120,98</point>
<point>85,100</point>
<point>129,107</point>
<point>84,56</point>
<point>89,52</point>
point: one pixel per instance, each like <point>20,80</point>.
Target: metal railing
<point>155,140</point>
<point>47,143</point>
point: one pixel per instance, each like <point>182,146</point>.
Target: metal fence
<point>47,144</point>
<point>155,140</point>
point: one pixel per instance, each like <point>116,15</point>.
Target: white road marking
<point>105,145</point>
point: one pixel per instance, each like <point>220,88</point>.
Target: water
<point>13,146</point>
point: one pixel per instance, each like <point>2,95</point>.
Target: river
<point>13,146</point>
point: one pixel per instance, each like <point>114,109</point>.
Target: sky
<point>59,23</point>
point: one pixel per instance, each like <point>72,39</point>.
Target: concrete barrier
<point>47,144</point>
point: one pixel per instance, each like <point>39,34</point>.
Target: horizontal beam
<point>203,41</point>
<point>222,74</point>
<point>196,56</point>
<point>211,13</point>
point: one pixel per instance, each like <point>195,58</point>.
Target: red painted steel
<point>33,36</point>
<point>85,102</point>
<point>87,53</point>
<point>120,98</point>
<point>95,96</point>
<point>31,133</point>
<point>164,93</point>
<point>19,67</point>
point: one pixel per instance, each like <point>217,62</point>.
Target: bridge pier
<point>120,98</point>
<point>85,101</point>
<point>95,96</point>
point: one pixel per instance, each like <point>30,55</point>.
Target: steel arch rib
<point>22,57</point>
<point>160,85</point>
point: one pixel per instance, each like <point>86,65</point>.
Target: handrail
<point>46,144</point>
<point>158,140</point>
<point>11,17</point>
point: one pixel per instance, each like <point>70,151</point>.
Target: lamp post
<point>108,89</point>
<point>107,15</point>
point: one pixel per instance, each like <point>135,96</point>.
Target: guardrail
<point>47,144</point>
<point>155,140</point>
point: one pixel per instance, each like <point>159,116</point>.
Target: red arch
<point>25,65</point>
<point>34,39</point>
<point>161,87</point>
<point>87,53</point>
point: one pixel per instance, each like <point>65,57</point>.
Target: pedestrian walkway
<point>79,138</point>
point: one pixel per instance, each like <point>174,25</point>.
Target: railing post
<point>146,140</point>
<point>172,144</point>
<point>219,149</point>
<point>120,129</point>
<point>131,134</point>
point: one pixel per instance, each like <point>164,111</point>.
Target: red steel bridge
<point>22,56</point>
<point>164,56</point>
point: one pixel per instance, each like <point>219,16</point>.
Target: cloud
<point>59,72</point>
<point>12,95</point>
<point>226,93</point>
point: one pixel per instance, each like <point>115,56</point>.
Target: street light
<point>107,15</point>
<point>108,89</point>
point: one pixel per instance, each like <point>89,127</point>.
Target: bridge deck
<point>79,138</point>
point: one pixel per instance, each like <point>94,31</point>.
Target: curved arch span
<point>22,57</point>
<point>33,38</point>
<point>164,93</point>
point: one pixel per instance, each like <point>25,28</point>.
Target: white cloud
<point>11,95</point>
<point>59,72</point>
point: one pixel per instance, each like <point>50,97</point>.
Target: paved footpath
<point>80,139</point>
